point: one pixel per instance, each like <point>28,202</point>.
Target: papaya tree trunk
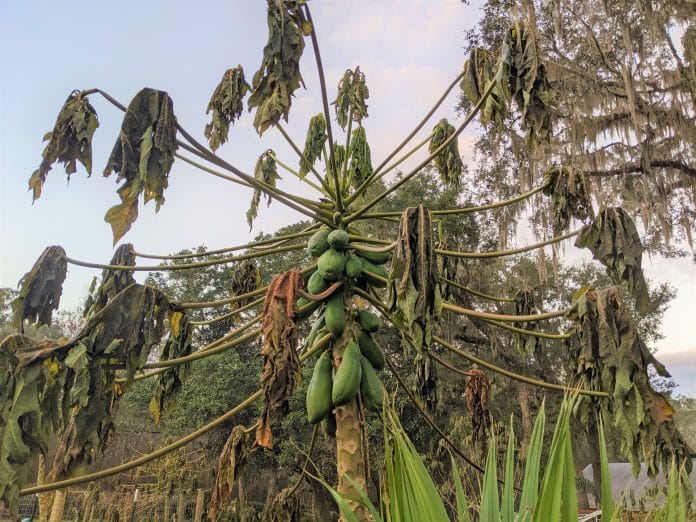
<point>58,506</point>
<point>350,446</point>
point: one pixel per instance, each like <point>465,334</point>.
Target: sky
<point>409,51</point>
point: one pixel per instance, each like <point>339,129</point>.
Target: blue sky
<point>409,51</point>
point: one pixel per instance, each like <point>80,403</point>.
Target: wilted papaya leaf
<point>285,507</point>
<point>226,104</point>
<point>477,395</point>
<point>279,75</point>
<point>229,465</point>
<point>350,100</point>
<point>279,337</point>
<point>614,241</point>
<point>525,305</point>
<point>142,156</point>
<point>611,357</point>
<point>245,279</point>
<point>171,381</point>
<point>568,189</point>
<point>314,143</point>
<point>112,281</point>
<point>448,162</point>
<point>40,289</point>
<point>266,171</point>
<point>360,158</point>
<point>70,140</point>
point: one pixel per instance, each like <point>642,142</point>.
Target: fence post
<point>181,507</point>
<point>58,506</point>
<point>200,497</point>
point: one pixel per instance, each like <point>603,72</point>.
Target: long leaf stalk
<point>477,293</point>
<point>274,241</point>
<point>185,266</point>
<point>292,171</point>
<point>228,315</point>
<point>362,239</point>
<point>416,170</point>
<point>211,171</point>
<point>446,305</point>
<point>343,171</point>
<point>406,140</point>
<point>451,367</point>
<point>502,253</point>
<point>327,189</point>
<point>531,333</point>
<point>331,166</point>
<point>90,477</point>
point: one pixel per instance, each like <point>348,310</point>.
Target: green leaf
<point>462,504</point>
<point>70,140</point>
<point>279,75</point>
<point>314,143</point>
<point>40,289</point>
<point>490,505</point>
<point>606,496</point>
<point>507,513</point>
<point>448,162</point>
<point>360,158</point>
<point>530,484</point>
<point>226,104</point>
<point>142,156</point>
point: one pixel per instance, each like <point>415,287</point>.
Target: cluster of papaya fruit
<point>340,261</point>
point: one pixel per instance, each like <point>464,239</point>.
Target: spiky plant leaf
<point>226,104</point>
<point>70,140</point>
<point>490,504</point>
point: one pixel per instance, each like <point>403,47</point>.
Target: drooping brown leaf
<point>142,156</point>
<point>170,382</point>
<point>279,337</point>
<point>246,278</point>
<point>112,282</point>
<point>448,162</point>
<point>414,290</point>
<point>265,171</point>
<point>227,103</point>
<point>477,395</point>
<point>568,188</point>
<point>70,140</point>
<point>426,381</point>
<point>40,289</point>
<point>229,466</point>
<point>285,507</point>
<point>279,75</point>
<point>614,241</point>
<point>611,357</point>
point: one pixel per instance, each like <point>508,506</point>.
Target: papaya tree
<point>358,267</point>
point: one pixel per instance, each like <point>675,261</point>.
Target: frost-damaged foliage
<point>142,156</point>
<point>314,143</point>
<point>170,382</point>
<point>414,291</point>
<point>265,171</point>
<point>227,103</point>
<point>525,305</point>
<point>70,389</point>
<point>40,289</point>
<point>521,76</point>
<point>229,465</point>
<point>70,140</point>
<point>476,394</point>
<point>612,357</point>
<point>285,507</point>
<point>360,158</point>
<point>614,241</point>
<point>448,162</point>
<point>279,74</point>
<point>246,278</point>
<point>112,281</point>
<point>279,337</point>
<point>568,189</point>
<point>350,100</point>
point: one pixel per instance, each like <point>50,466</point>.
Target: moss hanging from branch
<point>314,143</point>
<point>570,194</point>
<point>40,289</point>
<point>172,379</point>
<point>226,104</point>
<point>266,170</point>
<point>448,162</point>
<point>281,367</point>
<point>279,75</point>
<point>612,357</point>
<point>350,100</point>
<point>142,157</point>
<point>614,241</point>
<point>70,141</point>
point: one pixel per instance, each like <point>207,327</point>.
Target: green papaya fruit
<point>371,350</point>
<point>331,264</point>
<point>353,266</point>
<point>316,284</point>
<point>318,243</point>
<point>369,321</point>
<point>319,390</point>
<point>338,239</point>
<point>370,386</point>
<point>374,274</point>
<point>346,383</point>
<point>335,314</point>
